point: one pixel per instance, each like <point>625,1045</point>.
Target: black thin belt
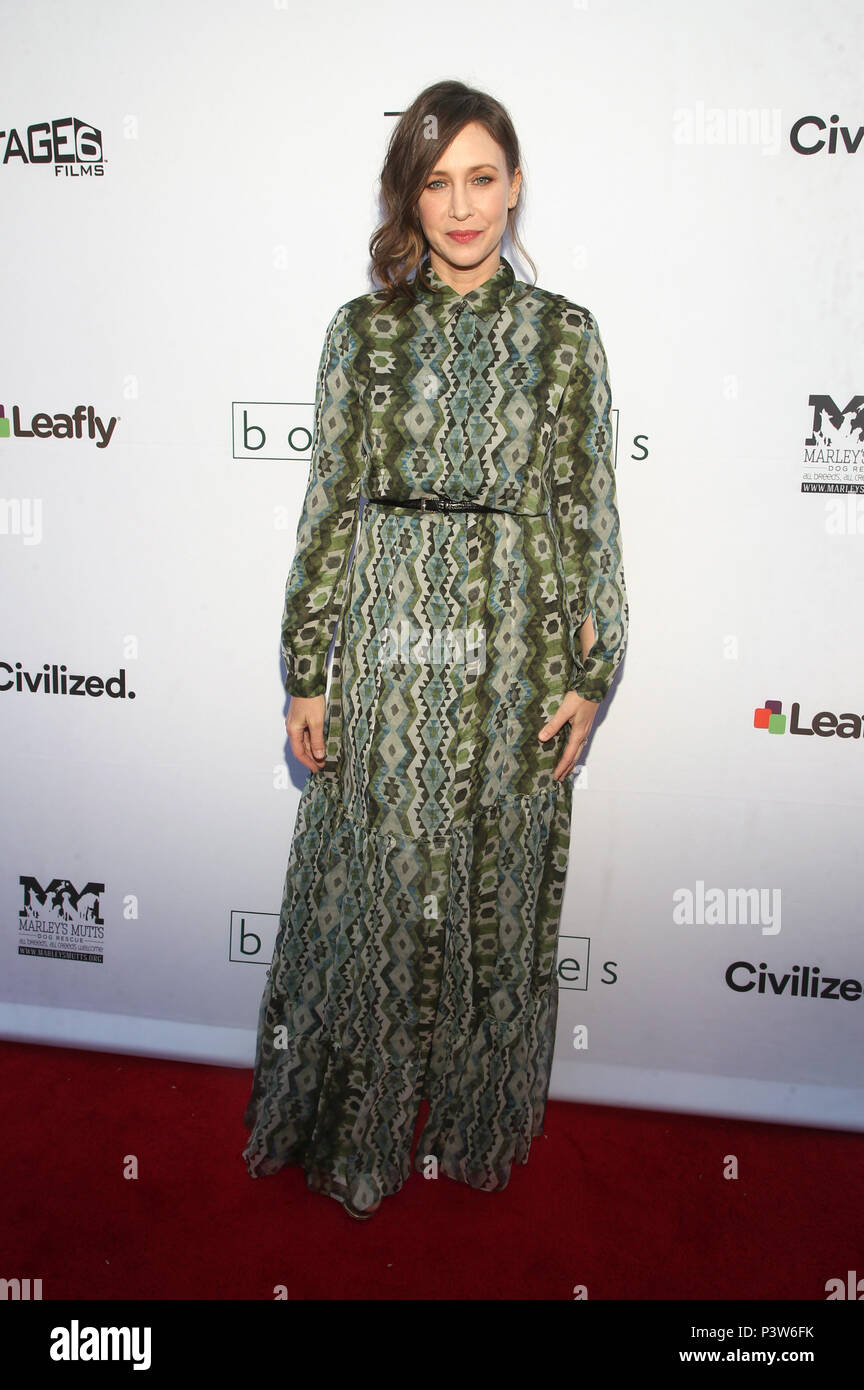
<point>433,504</point>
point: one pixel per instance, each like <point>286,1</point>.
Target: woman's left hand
<point>581,714</point>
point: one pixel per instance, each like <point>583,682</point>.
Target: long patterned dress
<point>416,947</point>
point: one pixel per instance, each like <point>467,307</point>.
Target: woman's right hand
<point>304,723</point>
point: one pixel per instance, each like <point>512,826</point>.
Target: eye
<point>478,178</point>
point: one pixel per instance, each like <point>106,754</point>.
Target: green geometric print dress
<point>416,946</point>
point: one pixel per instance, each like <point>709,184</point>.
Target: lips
<point>463,236</point>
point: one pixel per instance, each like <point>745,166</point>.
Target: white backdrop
<point>180,283</point>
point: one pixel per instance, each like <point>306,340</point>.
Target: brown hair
<point>398,245</point>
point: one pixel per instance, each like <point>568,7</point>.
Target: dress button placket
<point>466,331</point>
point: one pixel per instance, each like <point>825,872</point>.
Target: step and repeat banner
<point>188,190</point>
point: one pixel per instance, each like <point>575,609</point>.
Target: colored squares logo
<point>770,718</point>
<point>4,424</point>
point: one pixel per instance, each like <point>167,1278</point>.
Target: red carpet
<point>631,1203</point>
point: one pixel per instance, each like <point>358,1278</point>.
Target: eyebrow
<point>472,170</point>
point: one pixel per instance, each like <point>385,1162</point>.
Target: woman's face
<point>467,191</point>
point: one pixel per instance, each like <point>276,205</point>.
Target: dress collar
<point>486,300</point>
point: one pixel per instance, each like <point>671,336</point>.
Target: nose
<point>460,203</point>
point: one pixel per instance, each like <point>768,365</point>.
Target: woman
<point>415,955</point>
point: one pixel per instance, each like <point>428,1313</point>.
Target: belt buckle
<point>422,504</point>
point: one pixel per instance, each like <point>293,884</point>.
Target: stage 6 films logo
<point>72,146</point>
<point>60,921</point>
<point>834,450</point>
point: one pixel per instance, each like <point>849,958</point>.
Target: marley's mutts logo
<point>834,449</point>
<point>825,724</point>
<point>72,146</point>
<point>59,426</point>
<point>61,921</point>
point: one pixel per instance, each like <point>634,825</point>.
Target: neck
<point>465,278</point>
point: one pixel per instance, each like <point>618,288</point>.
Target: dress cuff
<point>591,679</point>
<point>305,675</point>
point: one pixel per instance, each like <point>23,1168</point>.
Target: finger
<point>555,723</point>
<point>315,738</point>
<point>303,747</point>
<point>564,714</point>
<point>569,757</point>
<point>298,748</point>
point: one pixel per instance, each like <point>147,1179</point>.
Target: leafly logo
<point>825,724</point>
<point>834,449</point>
<point>59,426</point>
<point>71,146</point>
<point>61,921</point>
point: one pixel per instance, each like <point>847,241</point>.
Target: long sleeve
<point>585,515</point>
<point>328,517</point>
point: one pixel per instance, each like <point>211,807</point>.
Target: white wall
<point>242,145</point>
